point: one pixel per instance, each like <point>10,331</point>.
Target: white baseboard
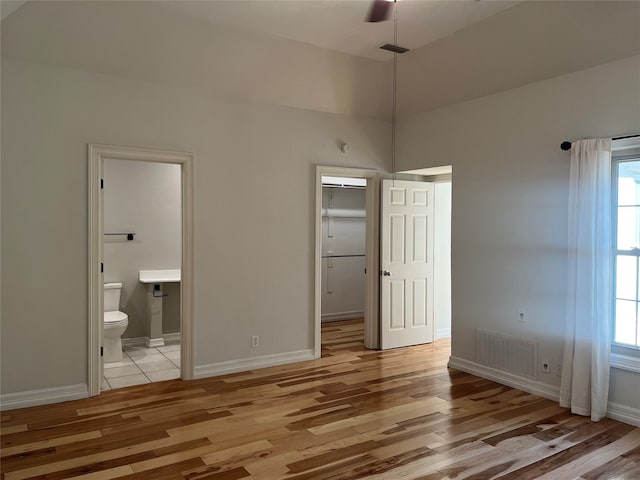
<point>623,413</point>
<point>443,333</point>
<point>505,378</point>
<point>172,337</point>
<point>155,342</point>
<point>336,317</point>
<point>253,363</point>
<point>44,396</point>
<point>139,341</point>
<point>134,341</point>
<point>615,411</point>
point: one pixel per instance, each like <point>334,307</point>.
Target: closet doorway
<point>343,261</point>
<point>346,266</point>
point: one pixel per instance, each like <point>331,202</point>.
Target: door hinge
<point>101,267</point>
<point>102,183</point>
<point>101,351</point>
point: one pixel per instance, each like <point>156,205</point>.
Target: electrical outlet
<point>255,341</point>
<point>521,315</point>
<point>545,366</point>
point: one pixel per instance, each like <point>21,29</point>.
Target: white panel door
<point>406,244</point>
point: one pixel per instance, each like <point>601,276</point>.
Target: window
<point>626,259</point>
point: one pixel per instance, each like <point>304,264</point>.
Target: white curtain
<point>585,368</point>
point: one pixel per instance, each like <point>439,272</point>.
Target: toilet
<point>115,322</point>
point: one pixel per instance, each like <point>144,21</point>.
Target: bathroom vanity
<point>154,281</point>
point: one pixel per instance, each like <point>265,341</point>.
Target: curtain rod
<point>567,145</point>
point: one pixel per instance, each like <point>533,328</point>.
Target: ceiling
<point>339,24</point>
<point>475,50</point>
<point>7,7</point>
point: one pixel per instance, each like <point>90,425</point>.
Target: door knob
<point>386,273</point>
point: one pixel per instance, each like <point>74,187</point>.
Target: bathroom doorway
<point>140,237</point>
<point>142,261</point>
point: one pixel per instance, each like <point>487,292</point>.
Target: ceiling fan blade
<point>380,10</point>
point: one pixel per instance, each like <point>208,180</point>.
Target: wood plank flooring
<point>355,413</point>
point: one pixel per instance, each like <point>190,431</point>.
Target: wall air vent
<point>394,48</point>
<point>510,354</point>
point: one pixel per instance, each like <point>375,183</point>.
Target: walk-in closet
<point>343,248</point>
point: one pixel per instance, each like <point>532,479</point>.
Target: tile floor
<point>143,365</point>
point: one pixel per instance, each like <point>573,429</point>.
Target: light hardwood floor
<point>356,413</point>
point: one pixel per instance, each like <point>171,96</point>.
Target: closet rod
<point>342,256</point>
<point>567,145</point>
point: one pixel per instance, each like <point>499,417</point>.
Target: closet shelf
<point>343,213</point>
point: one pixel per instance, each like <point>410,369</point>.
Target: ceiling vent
<point>394,48</point>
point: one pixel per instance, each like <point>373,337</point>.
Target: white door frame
<point>371,316</point>
<point>97,154</point>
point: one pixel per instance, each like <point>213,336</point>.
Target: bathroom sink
<point>159,276</point>
<point>154,280</point>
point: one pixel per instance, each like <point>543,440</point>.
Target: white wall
<point>509,218</point>
<point>343,278</point>
<point>244,227</point>
<point>247,105</point>
<point>144,198</point>
<point>442,259</point>
<point>530,42</point>
<point>158,44</point>
<point>176,83</point>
